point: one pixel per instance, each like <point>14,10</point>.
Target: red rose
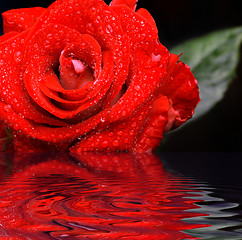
<point>85,76</point>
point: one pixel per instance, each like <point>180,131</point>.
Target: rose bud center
<point>74,73</point>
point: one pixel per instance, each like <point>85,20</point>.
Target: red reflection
<point>94,196</point>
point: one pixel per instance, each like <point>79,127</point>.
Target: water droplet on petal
<point>105,144</point>
<point>109,29</point>
<point>103,119</point>
<point>120,133</point>
<point>134,124</point>
<point>137,87</point>
<point>110,134</point>
<point>126,140</point>
<point>7,108</point>
<point>123,113</point>
<point>140,118</point>
<point>131,132</point>
<point>90,27</point>
<point>17,57</point>
<point>115,143</point>
<point>155,58</point>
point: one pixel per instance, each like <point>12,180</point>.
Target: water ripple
<point>108,196</point>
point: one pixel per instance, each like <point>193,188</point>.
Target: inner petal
<point>74,73</point>
<point>78,65</point>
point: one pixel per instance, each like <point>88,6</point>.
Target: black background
<point>221,129</point>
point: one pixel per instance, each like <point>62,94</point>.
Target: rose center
<point>74,73</point>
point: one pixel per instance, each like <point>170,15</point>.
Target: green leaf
<point>213,59</point>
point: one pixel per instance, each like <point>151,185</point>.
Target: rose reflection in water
<point>93,196</point>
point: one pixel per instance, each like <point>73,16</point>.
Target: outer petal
<point>20,19</point>
<point>148,63</point>
<point>180,86</point>
<point>146,74</point>
<point>7,36</point>
<point>52,135</point>
<point>145,14</point>
<point>120,135</point>
<point>13,91</point>
<point>130,3</point>
<point>152,134</point>
<point>136,25</point>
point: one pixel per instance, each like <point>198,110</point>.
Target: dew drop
<point>7,108</point>
<point>110,134</point>
<point>115,143</point>
<point>109,29</point>
<point>103,119</point>
<point>17,57</point>
<point>137,87</point>
<point>90,27</point>
<point>9,22</point>
<point>120,133</point>
<point>105,144</point>
<point>47,46</point>
<point>155,57</point>
<point>131,132</point>
<point>134,124</point>
<point>49,36</point>
<point>123,113</point>
<point>140,118</point>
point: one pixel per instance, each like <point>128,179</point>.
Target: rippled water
<point>117,196</point>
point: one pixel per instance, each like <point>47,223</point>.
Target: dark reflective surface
<point>117,196</point>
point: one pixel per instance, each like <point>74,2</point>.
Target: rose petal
<point>136,26</point>
<point>148,64</point>
<point>152,134</point>
<point>130,3</point>
<point>13,91</point>
<point>146,15</point>
<point>180,86</point>
<point>52,135</point>
<point>115,136</point>
<point>6,36</point>
<point>145,76</point>
<point>20,19</point>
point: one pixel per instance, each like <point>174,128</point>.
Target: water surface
<point>115,196</point>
